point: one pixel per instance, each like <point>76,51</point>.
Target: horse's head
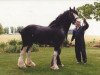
<point>67,17</point>
<point>73,15</point>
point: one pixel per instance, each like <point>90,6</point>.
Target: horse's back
<point>36,30</point>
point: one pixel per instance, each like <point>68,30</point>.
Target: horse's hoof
<point>30,64</point>
<point>22,66</point>
<point>33,64</point>
<point>54,67</point>
<point>21,63</point>
<point>62,65</point>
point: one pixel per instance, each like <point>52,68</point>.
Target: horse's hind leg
<point>21,63</point>
<point>28,60</point>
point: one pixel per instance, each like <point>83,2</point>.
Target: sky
<point>40,12</point>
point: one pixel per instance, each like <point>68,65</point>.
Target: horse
<point>54,35</point>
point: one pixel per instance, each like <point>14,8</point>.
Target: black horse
<point>53,35</point>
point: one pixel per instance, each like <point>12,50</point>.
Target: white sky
<point>40,12</point>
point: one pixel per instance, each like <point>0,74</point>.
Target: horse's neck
<point>66,28</point>
<point>65,25</point>
<point>54,25</point>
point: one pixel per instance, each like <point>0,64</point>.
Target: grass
<point>43,58</point>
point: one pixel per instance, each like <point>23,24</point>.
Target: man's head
<point>78,23</point>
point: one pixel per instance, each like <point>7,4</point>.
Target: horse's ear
<point>74,8</point>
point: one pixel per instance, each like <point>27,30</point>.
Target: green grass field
<point>8,63</point>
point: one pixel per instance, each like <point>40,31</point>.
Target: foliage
<point>35,48</point>
<point>2,46</point>
<point>12,29</point>
<point>97,11</point>
<point>13,42</point>
<point>6,30</point>
<point>19,42</point>
<point>88,10</point>
<point>19,28</point>
<point>13,49</point>
<point>14,46</point>
<point>1,29</point>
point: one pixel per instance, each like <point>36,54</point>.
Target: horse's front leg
<point>54,65</point>
<point>21,63</point>
<point>28,60</point>
<point>58,59</point>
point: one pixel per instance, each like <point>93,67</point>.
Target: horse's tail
<point>19,31</point>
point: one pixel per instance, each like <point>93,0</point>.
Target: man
<point>78,35</point>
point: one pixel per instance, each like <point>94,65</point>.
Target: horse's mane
<point>59,20</point>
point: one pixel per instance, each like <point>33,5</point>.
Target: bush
<point>35,48</point>
<point>3,46</point>
<point>13,42</point>
<point>19,43</point>
<point>14,46</point>
<point>13,49</point>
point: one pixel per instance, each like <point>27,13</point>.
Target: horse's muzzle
<point>74,21</point>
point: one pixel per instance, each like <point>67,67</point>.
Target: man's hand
<point>84,20</point>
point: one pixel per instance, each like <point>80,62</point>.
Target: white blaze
<point>76,16</point>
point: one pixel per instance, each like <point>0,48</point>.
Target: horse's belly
<point>42,39</point>
<point>47,37</point>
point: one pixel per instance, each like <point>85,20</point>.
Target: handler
<point>78,35</point>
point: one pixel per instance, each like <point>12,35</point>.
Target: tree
<point>12,30</point>
<point>6,30</point>
<point>97,11</point>
<point>90,9</point>
<point>1,29</point>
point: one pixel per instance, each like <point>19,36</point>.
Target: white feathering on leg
<point>21,63</point>
<point>55,66</point>
<point>29,63</point>
<point>28,60</point>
